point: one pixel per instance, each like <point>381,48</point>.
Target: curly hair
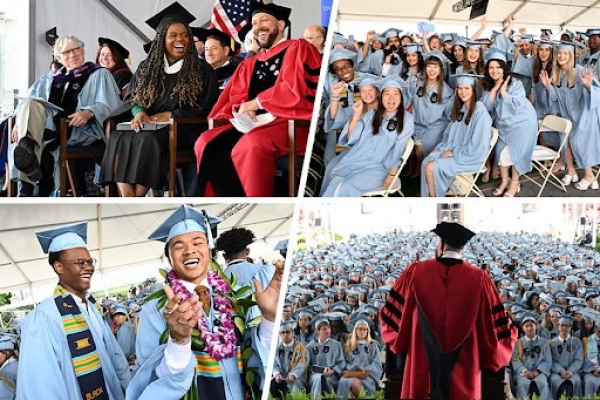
<point>234,240</point>
<point>150,81</point>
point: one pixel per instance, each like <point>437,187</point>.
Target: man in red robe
<point>282,80</point>
<point>446,316</point>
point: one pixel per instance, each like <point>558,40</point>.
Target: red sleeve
<point>293,95</point>
<point>397,313</point>
<point>497,335</point>
<point>235,92</point>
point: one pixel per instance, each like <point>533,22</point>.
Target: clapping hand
<point>587,77</point>
<point>546,80</point>
<point>181,316</point>
<point>504,86</point>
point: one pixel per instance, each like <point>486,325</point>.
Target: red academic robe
<point>291,97</point>
<point>466,310</point>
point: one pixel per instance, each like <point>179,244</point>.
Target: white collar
<point>173,68</point>
<point>530,340</point>
<point>236,261</point>
<point>326,340</point>
<point>563,340</point>
<point>226,63</point>
<point>451,254</point>
<point>192,286</point>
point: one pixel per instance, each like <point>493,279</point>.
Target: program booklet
<point>44,102</point>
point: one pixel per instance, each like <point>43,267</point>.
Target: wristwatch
<point>92,115</point>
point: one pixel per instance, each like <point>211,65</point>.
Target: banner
<point>326,6</point>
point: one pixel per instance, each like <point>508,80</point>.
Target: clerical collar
<point>173,68</point>
<point>451,254</point>
<point>235,261</point>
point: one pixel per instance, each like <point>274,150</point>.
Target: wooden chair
<point>94,151</point>
<point>292,164</point>
<point>176,156</point>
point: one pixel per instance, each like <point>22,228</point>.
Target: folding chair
<point>467,181</point>
<point>542,154</point>
<point>396,184</point>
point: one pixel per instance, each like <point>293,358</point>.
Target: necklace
<point>221,342</point>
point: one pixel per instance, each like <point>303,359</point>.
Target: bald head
<point>315,35</point>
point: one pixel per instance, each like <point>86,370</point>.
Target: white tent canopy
<point>117,237</point>
<point>553,14</point>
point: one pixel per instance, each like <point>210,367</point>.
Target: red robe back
<point>461,305</point>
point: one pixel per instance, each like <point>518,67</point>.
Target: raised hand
<point>337,88</point>
<point>268,299</point>
<point>587,77</point>
<point>504,86</point>
<point>181,316</point>
<point>370,35</point>
<point>358,107</point>
<point>546,80</point>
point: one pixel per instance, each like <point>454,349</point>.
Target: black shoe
<point>26,161</point>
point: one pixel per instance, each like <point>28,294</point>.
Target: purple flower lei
<point>222,342</point>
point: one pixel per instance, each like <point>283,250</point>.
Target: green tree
<point>5,298</point>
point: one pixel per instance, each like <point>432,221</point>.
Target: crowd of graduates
<point>550,290</point>
<point>450,91</point>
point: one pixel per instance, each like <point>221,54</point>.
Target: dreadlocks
<point>150,83</point>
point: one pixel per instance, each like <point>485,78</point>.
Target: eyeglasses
<point>81,262</point>
<point>285,332</point>
<point>342,68</point>
<point>74,51</point>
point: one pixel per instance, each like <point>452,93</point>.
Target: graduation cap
<point>286,325</point>
<point>471,43</point>
<point>63,237</point>
<point>546,31</point>
<point>554,307</point>
<point>390,33</point>
<point>412,47</point>
<point>173,13</point>
<point>565,320</point>
<point>392,81</point>
<point>120,310</point>
<point>528,316</point>
<point>540,44</point>
<point>7,341</point>
<point>526,38</point>
<point>319,322</point>
<point>303,312</point>
<point>115,45</point>
<point>51,36</point>
<point>148,46</point>
<point>496,54</point>
<point>341,54</point>
<point>279,12</point>
<point>592,31</point>
<point>282,247</point>
<point>581,35</point>
<point>446,37</point>
<point>452,233</point>
<point>186,219</point>
<point>436,54</point>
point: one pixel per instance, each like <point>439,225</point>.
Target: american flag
<point>230,16</point>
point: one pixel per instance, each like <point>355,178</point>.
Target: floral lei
<point>222,342</point>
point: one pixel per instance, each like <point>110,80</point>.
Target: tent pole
<point>100,247</point>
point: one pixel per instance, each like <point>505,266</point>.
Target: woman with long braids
<point>171,82</point>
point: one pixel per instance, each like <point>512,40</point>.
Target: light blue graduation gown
<point>245,272</point>
<point>45,364</point>
<point>371,157</point>
<point>9,370</point>
<point>282,363</point>
<point>100,94</point>
<point>365,356</point>
<point>149,355</point>
<point>591,383</point>
<point>591,61</point>
<point>432,118</point>
<point>566,356</point>
<point>516,120</point>
<point>535,357</point>
<point>126,338</point>
<point>585,139</point>
<point>523,66</point>
<point>374,64</point>
<point>330,355</point>
<point>470,144</point>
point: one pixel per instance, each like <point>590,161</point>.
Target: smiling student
<point>67,351</point>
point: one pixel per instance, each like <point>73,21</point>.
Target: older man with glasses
<point>67,351</point>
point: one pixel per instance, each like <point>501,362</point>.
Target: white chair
<point>396,184</point>
<point>466,183</point>
<point>542,154</point>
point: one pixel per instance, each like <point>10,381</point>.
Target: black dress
<point>143,157</point>
<point>122,77</point>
